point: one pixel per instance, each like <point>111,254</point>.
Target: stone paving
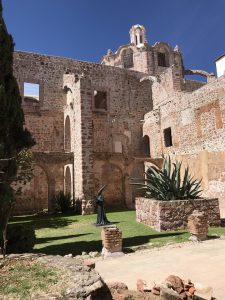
<point>202,262</point>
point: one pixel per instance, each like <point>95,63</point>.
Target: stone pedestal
<point>111,241</point>
<point>198,226</point>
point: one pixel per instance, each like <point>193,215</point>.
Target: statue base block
<point>107,254</point>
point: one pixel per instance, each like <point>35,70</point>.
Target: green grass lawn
<point>64,234</point>
<point>20,279</point>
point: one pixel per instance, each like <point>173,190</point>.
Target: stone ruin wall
<point>197,122</point>
<point>92,133</point>
<point>145,59</point>
<point>173,214</point>
<point>194,111</point>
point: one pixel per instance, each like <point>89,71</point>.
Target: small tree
<point>15,161</point>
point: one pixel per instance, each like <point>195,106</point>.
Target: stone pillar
<point>177,77</point>
<point>83,141</point>
<point>198,226</point>
<point>86,128</point>
<point>111,241</point>
<point>51,195</point>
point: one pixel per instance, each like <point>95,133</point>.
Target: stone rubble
<point>174,288</point>
<point>86,283</point>
<point>141,285</point>
<point>81,279</point>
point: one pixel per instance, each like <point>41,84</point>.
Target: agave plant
<point>167,184</point>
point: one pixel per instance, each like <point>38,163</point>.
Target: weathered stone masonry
<point>97,123</point>
<point>66,112</point>
<point>196,120</point>
<point>172,215</point>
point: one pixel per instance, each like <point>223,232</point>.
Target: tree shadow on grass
<point>118,210</point>
<point>54,238</point>
<point>48,221</point>
<point>74,248</point>
<point>77,247</point>
<point>143,239</point>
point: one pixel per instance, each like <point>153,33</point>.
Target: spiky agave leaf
<point>167,184</point>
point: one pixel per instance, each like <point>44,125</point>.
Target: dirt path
<point>201,262</point>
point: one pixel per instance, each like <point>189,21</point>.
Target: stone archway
<point>40,189</point>
<point>137,171</point>
<point>35,194</point>
<point>146,152</point>
<point>68,181</point>
<point>67,135</point>
<point>113,177</point>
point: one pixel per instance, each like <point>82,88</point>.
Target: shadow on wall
<point>78,247</point>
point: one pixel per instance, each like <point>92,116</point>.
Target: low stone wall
<point>173,214</point>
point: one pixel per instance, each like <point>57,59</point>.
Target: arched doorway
<point>146,146</point>
<point>40,189</point>
<point>68,181</point>
<point>114,192</point>
<point>34,195</point>
<point>137,172</point>
<point>67,135</point>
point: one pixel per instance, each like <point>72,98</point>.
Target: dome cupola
<point>137,35</point>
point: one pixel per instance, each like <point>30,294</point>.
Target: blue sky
<point>85,29</point>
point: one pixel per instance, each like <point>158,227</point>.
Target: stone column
<point>83,140</point>
<point>51,194</point>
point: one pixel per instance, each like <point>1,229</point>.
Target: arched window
<point>127,57</point>
<point>168,137</point>
<point>67,135</point>
<point>69,97</point>
<point>146,146</point>
<point>163,58</point>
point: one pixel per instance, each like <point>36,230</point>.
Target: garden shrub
<point>21,238</point>
<point>63,202</point>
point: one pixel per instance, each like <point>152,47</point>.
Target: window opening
<point>168,137</point>
<point>100,100</point>
<point>161,59</point>
<point>128,61</point>
<point>31,92</point>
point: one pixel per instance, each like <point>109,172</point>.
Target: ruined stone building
<point>98,124</point>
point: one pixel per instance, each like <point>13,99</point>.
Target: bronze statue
<point>101,216</point>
